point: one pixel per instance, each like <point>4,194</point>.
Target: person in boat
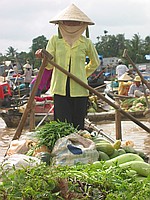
<point>27,74</point>
<point>69,49</point>
<point>124,84</point>
<point>121,68</point>
<point>137,89</point>
<point>44,83</point>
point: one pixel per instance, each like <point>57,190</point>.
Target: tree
<point>147,45</point>
<point>39,43</point>
<point>11,53</point>
<point>110,45</point>
<point>135,48</point>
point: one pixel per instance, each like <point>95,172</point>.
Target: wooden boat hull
<point>110,115</point>
<point>13,118</point>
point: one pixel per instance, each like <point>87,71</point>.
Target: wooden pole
<point>50,110</point>
<point>125,55</point>
<point>118,122</point>
<point>32,117</point>
<point>48,55</point>
<point>100,131</point>
<point>31,99</point>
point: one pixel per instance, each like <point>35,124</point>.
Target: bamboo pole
<point>99,131</point>
<point>31,99</point>
<point>118,122</point>
<point>48,56</point>
<point>125,55</point>
<point>32,117</point>
<point>50,110</point>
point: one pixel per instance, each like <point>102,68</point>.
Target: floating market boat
<point>98,110</point>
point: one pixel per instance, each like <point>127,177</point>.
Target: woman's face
<point>71,23</point>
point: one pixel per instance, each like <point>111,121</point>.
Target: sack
<point>18,146</point>
<point>19,161</point>
<point>73,149</point>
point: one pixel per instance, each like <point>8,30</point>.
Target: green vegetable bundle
<point>49,133</point>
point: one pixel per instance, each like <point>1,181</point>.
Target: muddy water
<point>130,131</point>
<point>6,135</point>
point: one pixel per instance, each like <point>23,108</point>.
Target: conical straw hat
<point>72,13</point>
<point>137,79</point>
<point>125,77</point>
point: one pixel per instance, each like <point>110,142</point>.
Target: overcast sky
<point>23,20</point>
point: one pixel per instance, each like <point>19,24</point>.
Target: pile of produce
<point>96,105</point>
<point>84,182</point>
<point>125,156</point>
<point>135,104</point>
<point>47,136</point>
<point>121,172</point>
<point>92,104</point>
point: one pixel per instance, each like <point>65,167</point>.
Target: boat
<point>44,108</point>
<point>12,117</point>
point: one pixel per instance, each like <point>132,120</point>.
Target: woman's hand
<point>38,53</point>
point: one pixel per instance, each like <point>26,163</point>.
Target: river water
<point>130,131</point>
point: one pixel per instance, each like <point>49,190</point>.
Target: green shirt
<point>62,54</point>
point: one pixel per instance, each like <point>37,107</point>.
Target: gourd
<point>142,168</point>
<point>117,144</point>
<point>99,140</point>
<point>105,147</point>
<point>103,156</point>
<point>115,154</point>
<point>123,159</point>
<point>129,149</point>
<point>121,151</point>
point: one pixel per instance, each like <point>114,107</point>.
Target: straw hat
<point>125,77</point>
<point>72,13</point>
<point>120,61</point>
<point>137,79</point>
<point>27,66</point>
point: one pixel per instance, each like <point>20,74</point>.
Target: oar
<point>99,131</point>
<point>50,110</point>
<point>31,99</point>
<point>48,55</point>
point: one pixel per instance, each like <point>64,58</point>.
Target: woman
<point>44,83</point>
<point>27,74</point>
<point>69,50</point>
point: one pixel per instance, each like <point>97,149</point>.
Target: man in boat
<point>121,69</point>
<point>124,84</point>
<point>137,89</point>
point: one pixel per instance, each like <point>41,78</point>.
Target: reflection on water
<point>130,131</point>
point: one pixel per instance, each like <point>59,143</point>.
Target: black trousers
<point>70,109</point>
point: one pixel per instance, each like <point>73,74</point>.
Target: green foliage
<point>113,46</point>
<point>107,45</point>
<point>39,43</point>
<point>76,182</point>
<point>49,133</point>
